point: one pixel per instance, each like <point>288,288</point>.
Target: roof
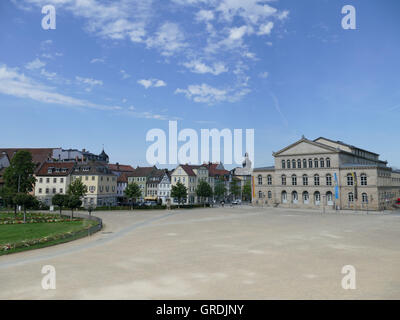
<point>303,139</point>
<point>346,145</point>
<point>213,171</point>
<point>57,169</point>
<point>142,171</point>
<point>92,168</point>
<point>39,155</point>
<point>120,167</point>
<point>123,178</point>
<point>270,168</point>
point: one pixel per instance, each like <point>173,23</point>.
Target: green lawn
<point>15,233</point>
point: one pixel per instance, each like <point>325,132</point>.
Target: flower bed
<point>51,220</point>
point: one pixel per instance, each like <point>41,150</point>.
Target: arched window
<point>310,163</point>
<point>351,197</point>
<point>322,162</point>
<point>283,164</point>
<point>328,162</point>
<point>284,197</point>
<point>305,180</point>
<point>299,164</point>
<point>329,198</point>
<point>350,180</point>
<point>317,198</point>
<point>288,164</point>
<point>269,195</point>
<point>364,198</point>
<point>283,180</point>
<point>316,180</point>
<point>306,197</point>
<point>294,164</point>
<point>295,197</point>
<point>315,163</point>
<point>260,194</point>
<point>304,163</point>
<point>260,179</point>
<point>364,180</point>
<point>269,179</point>
<point>328,180</point>
<point>294,180</point>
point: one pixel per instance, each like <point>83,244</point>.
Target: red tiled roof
<point>213,171</point>
<point>39,155</point>
<point>123,178</point>
<point>44,169</point>
<point>120,167</point>
<point>142,171</point>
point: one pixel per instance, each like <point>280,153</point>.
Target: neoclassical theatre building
<point>323,172</point>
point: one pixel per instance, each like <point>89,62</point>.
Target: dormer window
<point>50,170</point>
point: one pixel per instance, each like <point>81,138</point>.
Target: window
<point>40,180</point>
<point>316,180</point>
<point>62,180</point>
<point>47,190</point>
<point>351,197</point>
<point>61,190</point>
<point>260,179</point>
<point>299,163</point>
<point>306,197</point>
<point>363,179</point>
<point>47,180</point>
<point>305,180</point>
<point>328,162</point>
<point>350,180</point>
<point>269,195</point>
<point>40,190</point>
<point>329,198</point>
<point>269,179</point>
<point>288,164</point>
<point>310,163</point>
<point>284,197</point>
<point>294,164</point>
<point>54,190</point>
<point>304,163</point>
<point>295,197</point>
<point>259,194</point>
<point>317,197</point>
<point>364,198</point>
<point>283,180</point>
<point>328,180</point>
<point>283,164</point>
<point>294,180</point>
<point>322,162</point>
<point>315,163</point>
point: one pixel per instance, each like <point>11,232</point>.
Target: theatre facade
<point>326,173</point>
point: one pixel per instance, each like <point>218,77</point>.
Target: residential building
<point>122,183</point>
<point>216,174</point>
<point>323,172</point>
<point>83,155</point>
<point>152,184</point>
<point>52,178</point>
<point>100,181</point>
<point>190,176</point>
<point>140,176</point>
<point>164,187</point>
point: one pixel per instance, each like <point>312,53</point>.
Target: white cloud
<point>89,83</point>
<point>97,60</point>
<point>35,64</point>
<point>48,75</point>
<point>169,38</point>
<point>204,93</point>
<point>266,28</point>
<point>197,66</point>
<point>205,15</point>
<point>18,85</point>
<point>125,75</point>
<point>148,83</point>
<point>264,75</point>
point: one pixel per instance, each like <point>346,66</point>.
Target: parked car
<point>150,203</point>
<point>237,201</point>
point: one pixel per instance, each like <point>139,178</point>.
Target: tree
<point>25,200</point>
<point>179,191</point>
<point>220,188</point>
<point>77,188</point>
<point>247,191</point>
<point>204,190</point>
<point>60,200</point>
<point>73,202</point>
<point>235,187</point>
<point>132,192</point>
<point>18,177</point>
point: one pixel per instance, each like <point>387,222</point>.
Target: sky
<point>113,70</point>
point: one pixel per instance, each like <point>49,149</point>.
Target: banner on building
<point>336,187</point>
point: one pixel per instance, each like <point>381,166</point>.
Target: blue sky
<point>112,70</point>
